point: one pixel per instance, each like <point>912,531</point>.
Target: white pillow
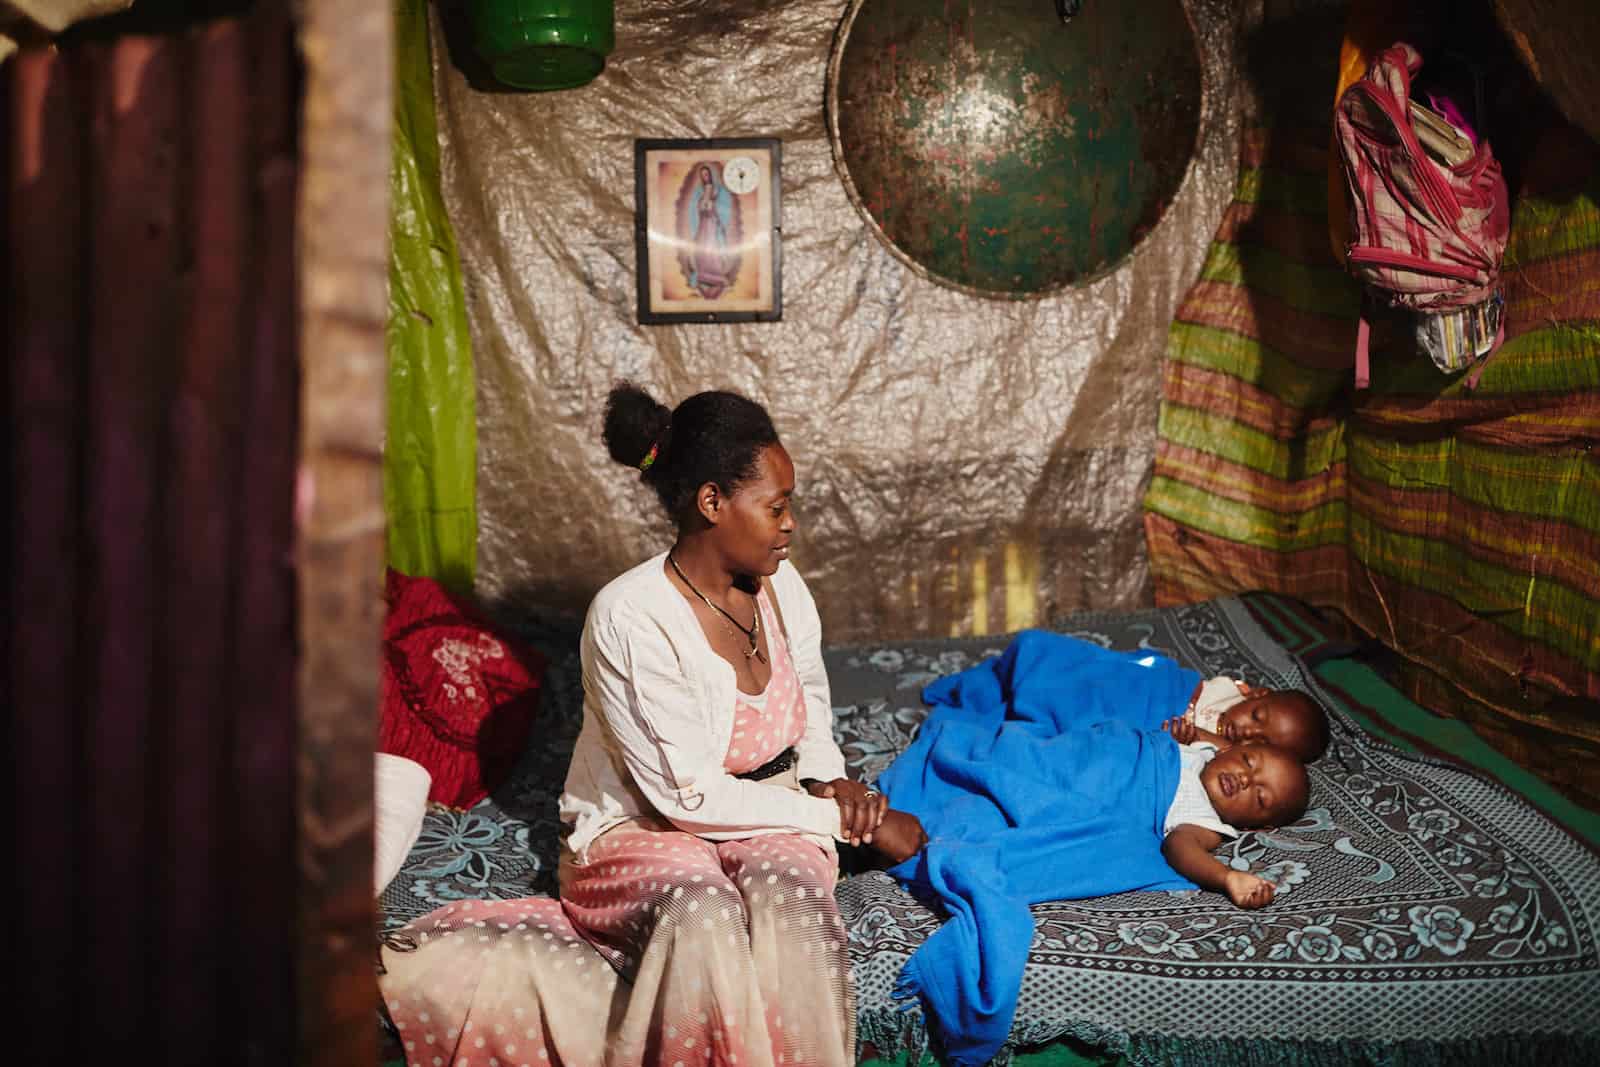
<point>400,803</point>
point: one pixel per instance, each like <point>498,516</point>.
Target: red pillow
<point>457,696</point>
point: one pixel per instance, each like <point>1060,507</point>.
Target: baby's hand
<point>1182,729</point>
<point>1248,891</point>
<point>900,836</point>
<point>1185,732</point>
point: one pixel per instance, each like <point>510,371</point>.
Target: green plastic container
<point>543,44</point>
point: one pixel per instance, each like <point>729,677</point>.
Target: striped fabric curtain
<point>1461,527</point>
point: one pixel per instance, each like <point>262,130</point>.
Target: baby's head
<point>1285,717</point>
<point>1255,784</point>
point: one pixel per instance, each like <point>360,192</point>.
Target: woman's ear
<point>708,501</point>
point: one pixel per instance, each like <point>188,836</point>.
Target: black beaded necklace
<point>753,631</point>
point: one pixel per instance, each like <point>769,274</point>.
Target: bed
<point>1426,912</point>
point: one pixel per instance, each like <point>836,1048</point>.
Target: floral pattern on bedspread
<point>1404,870</point>
<point>1416,900</point>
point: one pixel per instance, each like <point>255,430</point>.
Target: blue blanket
<point>1042,774</point>
<point>1055,678</point>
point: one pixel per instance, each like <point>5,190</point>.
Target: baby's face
<point>1254,784</point>
<point>1263,717</point>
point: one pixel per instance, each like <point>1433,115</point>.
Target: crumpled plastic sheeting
<point>430,439</point>
<point>965,465</point>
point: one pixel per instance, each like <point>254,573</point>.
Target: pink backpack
<point>1429,215</point>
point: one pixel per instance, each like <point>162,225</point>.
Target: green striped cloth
<point>1460,526</point>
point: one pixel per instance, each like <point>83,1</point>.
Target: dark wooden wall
<point>150,440</point>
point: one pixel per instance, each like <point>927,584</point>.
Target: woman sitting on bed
<point>706,791</point>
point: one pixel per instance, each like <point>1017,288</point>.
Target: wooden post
<point>339,523</point>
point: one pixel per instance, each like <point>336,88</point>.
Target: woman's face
<point>705,175</point>
<point>755,523</point>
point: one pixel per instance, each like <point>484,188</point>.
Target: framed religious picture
<point>708,219</point>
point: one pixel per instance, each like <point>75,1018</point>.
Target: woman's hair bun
<point>713,436</point>
<point>635,422</point>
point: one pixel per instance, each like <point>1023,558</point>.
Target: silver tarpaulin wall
<point>966,464</point>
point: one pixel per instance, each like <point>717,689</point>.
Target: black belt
<point>776,765</point>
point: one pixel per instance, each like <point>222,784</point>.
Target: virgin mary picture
<point>711,232</point>
<point>707,227</point>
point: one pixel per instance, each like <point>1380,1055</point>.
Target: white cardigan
<point>658,708</point>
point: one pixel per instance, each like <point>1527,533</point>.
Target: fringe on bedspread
<point>893,1032</point>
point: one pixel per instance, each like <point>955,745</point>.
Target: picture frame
<point>708,227</point>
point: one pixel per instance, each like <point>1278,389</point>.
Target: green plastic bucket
<point>543,44</point>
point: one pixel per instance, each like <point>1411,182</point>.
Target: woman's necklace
<point>753,631</point>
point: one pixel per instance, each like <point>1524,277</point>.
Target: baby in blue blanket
<point>1248,786</point>
<point>1218,793</point>
<point>1225,711</point>
<point>1224,715</point>
<point>1045,773</point>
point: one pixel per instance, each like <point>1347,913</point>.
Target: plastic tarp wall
<point>431,436</point>
<point>965,465</point>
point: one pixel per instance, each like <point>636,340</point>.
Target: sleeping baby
<point>1044,773</point>
<point>1246,786</point>
<point>1236,735</point>
<point>1225,711</point>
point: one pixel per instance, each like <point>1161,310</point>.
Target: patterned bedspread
<point>1424,913</point>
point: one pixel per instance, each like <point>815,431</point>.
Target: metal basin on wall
<point>1004,153</point>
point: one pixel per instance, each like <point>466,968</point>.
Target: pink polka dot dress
<point>665,948</point>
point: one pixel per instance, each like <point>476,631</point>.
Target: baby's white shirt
<point>1190,804</point>
<point>1217,695</point>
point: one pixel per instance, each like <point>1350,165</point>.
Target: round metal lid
<point>1004,153</point>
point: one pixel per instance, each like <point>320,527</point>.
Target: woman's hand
<point>860,808</point>
<point>900,836</point>
<point>1248,891</point>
